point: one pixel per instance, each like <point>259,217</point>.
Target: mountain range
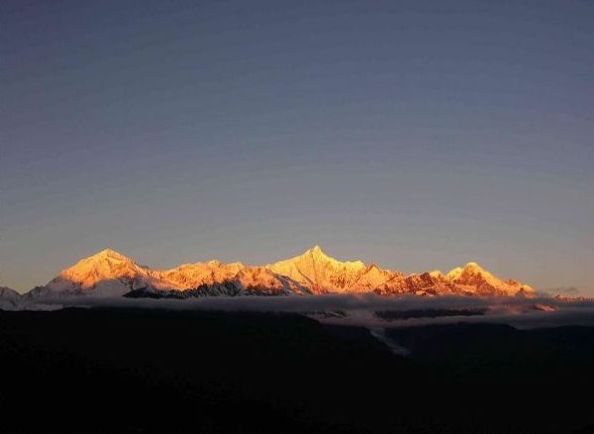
<point>109,273</point>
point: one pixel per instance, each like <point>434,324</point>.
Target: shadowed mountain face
<point>8,293</point>
<point>8,298</point>
<point>133,370</point>
<point>109,273</point>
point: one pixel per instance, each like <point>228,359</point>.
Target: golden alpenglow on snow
<point>109,273</point>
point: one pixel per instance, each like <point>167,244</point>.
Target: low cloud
<point>281,304</point>
<point>569,291</point>
<point>359,310</point>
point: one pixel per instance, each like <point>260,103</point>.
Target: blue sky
<point>416,134</point>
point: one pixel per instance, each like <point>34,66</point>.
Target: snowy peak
<point>106,273</point>
<point>262,281</point>
<point>319,256</point>
<point>109,254</point>
<point>110,273</point>
<point>315,254</point>
<point>190,276</point>
<point>454,273</point>
<point>316,251</point>
<point>101,260</point>
<point>320,272</point>
<point>473,267</point>
<point>475,279</point>
<point>106,264</point>
<point>436,274</point>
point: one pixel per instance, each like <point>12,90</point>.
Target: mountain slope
<point>319,271</point>
<point>476,280</point>
<point>109,273</point>
<point>9,298</point>
<point>106,273</point>
<point>9,294</point>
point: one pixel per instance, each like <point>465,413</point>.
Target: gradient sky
<point>414,134</point>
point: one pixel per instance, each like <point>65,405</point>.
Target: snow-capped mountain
<point>323,274</point>
<point>319,272</point>
<point>109,273</point>
<point>106,273</point>
<point>474,279</point>
<point>9,298</point>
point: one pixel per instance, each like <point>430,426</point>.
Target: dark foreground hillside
<point>122,370</point>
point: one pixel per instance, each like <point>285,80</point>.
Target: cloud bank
<point>360,310</point>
